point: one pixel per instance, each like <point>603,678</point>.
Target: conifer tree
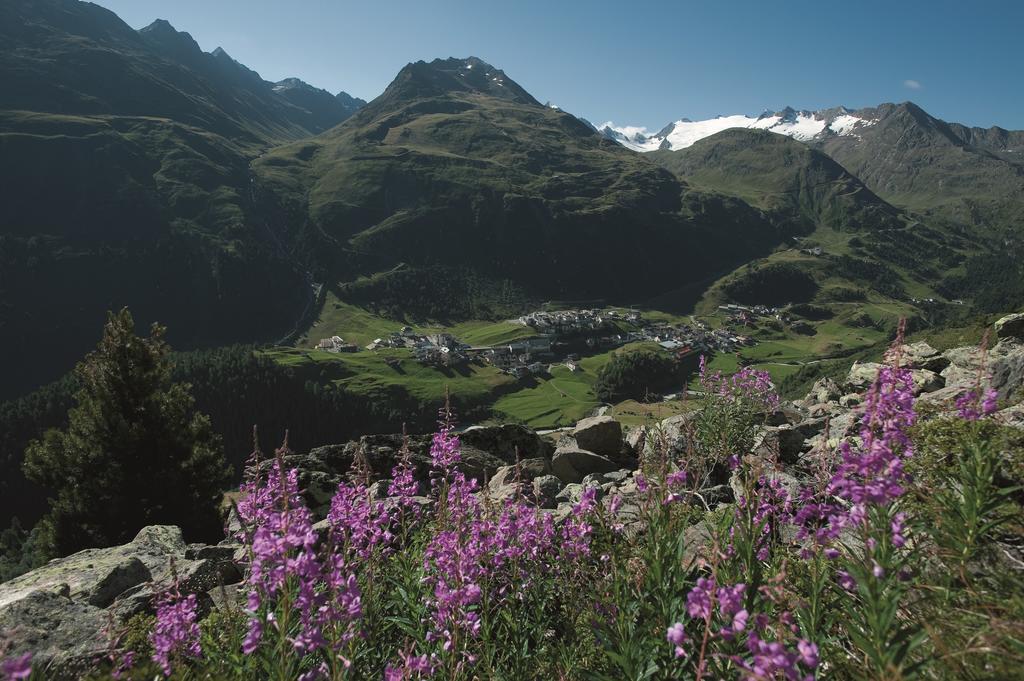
<point>135,451</point>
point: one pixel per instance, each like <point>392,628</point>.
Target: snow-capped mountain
<point>801,125</point>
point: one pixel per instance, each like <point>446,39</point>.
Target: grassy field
<point>359,326</point>
<point>368,374</point>
<point>563,398</point>
<point>633,413</point>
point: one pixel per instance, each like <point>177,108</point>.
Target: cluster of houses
<point>336,344</point>
<point>697,337</point>
<point>746,315</point>
<point>434,349</point>
<point>595,329</point>
<point>520,358</point>
<point>572,322</point>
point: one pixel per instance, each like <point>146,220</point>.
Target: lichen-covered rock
<point>1010,326</point>
<point>59,611</point>
<point>546,489</point>
<point>572,464</point>
<point>921,355</point>
<point>1002,367</point>
<point>863,374</point>
<point>600,435</point>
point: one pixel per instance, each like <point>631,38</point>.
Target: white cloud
<point>912,84</point>
<point>628,130</point>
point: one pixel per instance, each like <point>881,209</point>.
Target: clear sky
<point>642,64</point>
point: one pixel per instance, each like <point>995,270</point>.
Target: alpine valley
<point>334,266</point>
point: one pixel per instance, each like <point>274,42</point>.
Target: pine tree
<point>135,451</point>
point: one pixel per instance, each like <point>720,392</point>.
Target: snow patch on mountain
<point>802,125</point>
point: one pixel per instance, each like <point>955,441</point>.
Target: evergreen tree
<point>135,451</point>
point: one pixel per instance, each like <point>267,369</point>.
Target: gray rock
<point>507,442</point>
<point>1012,416</point>
<point>618,476</point>
<point>921,355</point>
<point>824,390</point>
<point>863,374</point>
<point>599,434</point>
<point>60,610</point>
<point>789,483</point>
<point>850,401</point>
<point>1004,365</point>
<point>789,441</point>
<point>485,449</point>
<point>571,464</point>
<point>545,490</point>
<point>636,438</point>
<point>1010,326</point>
<point>65,636</point>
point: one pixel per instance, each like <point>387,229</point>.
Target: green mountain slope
<point>960,175</point>
<point>455,192</point>
<point>799,187</point>
<point>126,182</point>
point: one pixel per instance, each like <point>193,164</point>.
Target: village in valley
<point>562,337</point>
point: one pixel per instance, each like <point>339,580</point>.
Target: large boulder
<point>921,355</point>
<point>863,374</point>
<point>824,390</point>
<point>572,464</point>
<point>60,611</point>
<point>1010,326</point>
<point>600,435</point>
<point>1002,367</point>
<point>507,442</point>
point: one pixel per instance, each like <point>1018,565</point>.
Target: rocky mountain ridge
<point>60,611</point>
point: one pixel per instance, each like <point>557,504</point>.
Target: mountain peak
<point>295,84</point>
<point>470,75</point>
<point>162,33</point>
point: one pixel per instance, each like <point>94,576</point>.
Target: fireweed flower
<point>676,635</point>
<point>698,601</point>
<point>17,668</point>
<point>283,559</point>
<point>748,385</point>
<point>176,630</point>
<point>769,509</point>
<point>976,404</point>
<point>477,547</point>
<point>359,523</point>
<point>772,659</point>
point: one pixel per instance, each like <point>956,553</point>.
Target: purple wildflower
<point>17,668</point>
<point>975,404</point>
<point>676,635</point>
<point>698,601</point>
<point>176,630</point>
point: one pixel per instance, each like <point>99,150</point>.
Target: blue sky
<point>643,64</point>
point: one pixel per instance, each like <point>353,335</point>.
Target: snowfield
<point>802,125</point>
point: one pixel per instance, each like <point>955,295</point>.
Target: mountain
<point>800,187</point>
<point>948,171</point>
<point>945,170</point>
<point>325,110</point>
<point>456,193</point>
<point>802,125</point>
<point>126,181</point>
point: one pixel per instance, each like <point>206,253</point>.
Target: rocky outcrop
<point>863,374</point>
<point>572,464</point>
<point>600,435</point>
<point>1010,326</point>
<point>62,611</point>
<point>485,449</point>
<point>1003,364</point>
